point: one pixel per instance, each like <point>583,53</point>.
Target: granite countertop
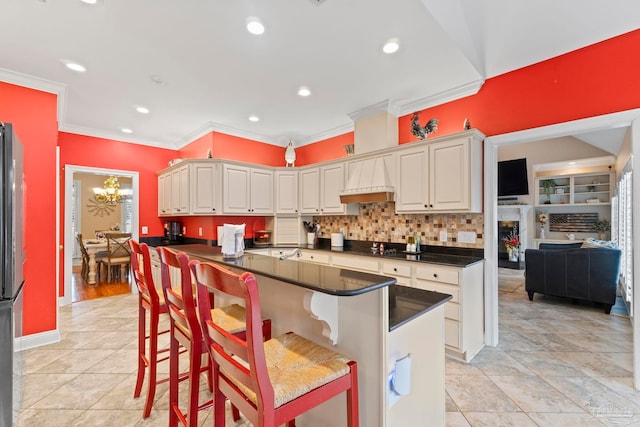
<point>406,303</point>
<point>317,277</point>
<point>425,257</point>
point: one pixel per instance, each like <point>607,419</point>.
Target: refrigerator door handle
<point>17,294</point>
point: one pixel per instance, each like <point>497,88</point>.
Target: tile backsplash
<point>379,222</point>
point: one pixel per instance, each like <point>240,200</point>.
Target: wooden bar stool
<point>185,329</point>
<point>305,374</point>
<point>152,302</point>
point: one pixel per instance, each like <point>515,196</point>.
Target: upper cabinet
<point>286,190</point>
<point>180,190</point>
<point>205,188</point>
<point>441,176</point>
<point>247,190</point>
<point>320,189</point>
<point>173,192</point>
<point>575,189</point>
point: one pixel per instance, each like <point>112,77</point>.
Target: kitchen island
<point>365,316</point>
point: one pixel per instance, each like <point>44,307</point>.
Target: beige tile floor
<point>557,364</point>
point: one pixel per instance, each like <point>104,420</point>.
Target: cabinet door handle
<point>435,275</point>
<point>395,269</point>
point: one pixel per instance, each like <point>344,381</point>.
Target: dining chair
<point>274,381</point>
<point>100,258</point>
<point>118,253</point>
<point>151,302</point>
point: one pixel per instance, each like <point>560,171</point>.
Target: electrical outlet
<point>443,235</point>
<point>200,231</point>
<point>466,237</point>
<point>184,230</point>
<point>145,229</point>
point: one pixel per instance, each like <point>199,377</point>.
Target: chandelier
<point>111,192</point>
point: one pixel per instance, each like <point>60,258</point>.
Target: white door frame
<point>491,144</point>
<point>69,239</point>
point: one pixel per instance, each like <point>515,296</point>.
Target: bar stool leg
<point>141,350</point>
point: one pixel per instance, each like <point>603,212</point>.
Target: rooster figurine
<point>422,132</point>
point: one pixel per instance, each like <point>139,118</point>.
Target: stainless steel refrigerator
<point>11,273</point>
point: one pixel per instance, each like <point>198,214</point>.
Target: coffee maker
<point>173,231</point>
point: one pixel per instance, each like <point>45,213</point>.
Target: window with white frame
<point>621,225</point>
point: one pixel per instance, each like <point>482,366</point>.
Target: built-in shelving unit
<point>575,189</point>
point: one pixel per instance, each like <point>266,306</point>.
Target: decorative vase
<point>542,231</point>
<point>514,255</point>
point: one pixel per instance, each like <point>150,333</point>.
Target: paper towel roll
<point>402,376</point>
<point>337,240</point>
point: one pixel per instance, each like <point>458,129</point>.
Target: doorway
<point>127,217</point>
<point>629,119</point>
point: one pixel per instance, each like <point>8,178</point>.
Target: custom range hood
<point>368,178</point>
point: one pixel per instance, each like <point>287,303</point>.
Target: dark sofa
<point>567,270</point>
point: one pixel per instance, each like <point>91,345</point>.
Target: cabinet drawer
<point>454,291</point>
<point>355,263</point>
<point>452,311</point>
<point>396,269</point>
<point>314,257</point>
<point>452,333</point>
<point>438,274</point>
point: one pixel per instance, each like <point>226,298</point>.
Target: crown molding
<point>440,98</point>
<point>209,127</point>
<point>385,106</point>
<point>115,136</point>
<point>38,83</point>
<point>336,131</point>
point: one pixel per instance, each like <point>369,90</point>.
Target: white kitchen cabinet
<point>247,190</point>
<point>320,191</point>
<point>401,270</point>
<point>441,176</point>
<point>464,313</point>
<point>180,190</point>
<point>286,191</point>
<point>164,194</point>
<point>205,184</point>
<point>412,191</point>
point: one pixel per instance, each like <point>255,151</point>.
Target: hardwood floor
<point>81,290</point>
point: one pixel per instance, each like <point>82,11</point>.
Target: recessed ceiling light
<point>304,91</point>
<point>89,1</point>
<point>254,118</point>
<point>142,110</point>
<point>572,163</point>
<point>126,130</point>
<point>391,46</point>
<point>255,26</point>
<point>74,66</point>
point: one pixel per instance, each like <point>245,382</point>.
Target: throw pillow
<point>590,242</point>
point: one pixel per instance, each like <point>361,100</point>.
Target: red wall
<point>245,150</point>
<point>80,150</point>
<point>595,80</point>
<point>33,115</point>
<point>328,149</point>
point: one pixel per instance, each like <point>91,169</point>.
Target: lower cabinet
<point>464,313</point>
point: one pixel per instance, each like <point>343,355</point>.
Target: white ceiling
<point>211,74</point>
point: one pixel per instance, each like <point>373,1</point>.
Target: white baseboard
<point>36,340</point>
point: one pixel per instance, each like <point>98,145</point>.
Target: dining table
<point>93,246</point>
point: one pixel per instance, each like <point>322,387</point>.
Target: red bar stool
<point>306,374</point>
<point>185,330</point>
<point>151,302</point>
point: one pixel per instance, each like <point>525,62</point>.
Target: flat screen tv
<point>513,179</point>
